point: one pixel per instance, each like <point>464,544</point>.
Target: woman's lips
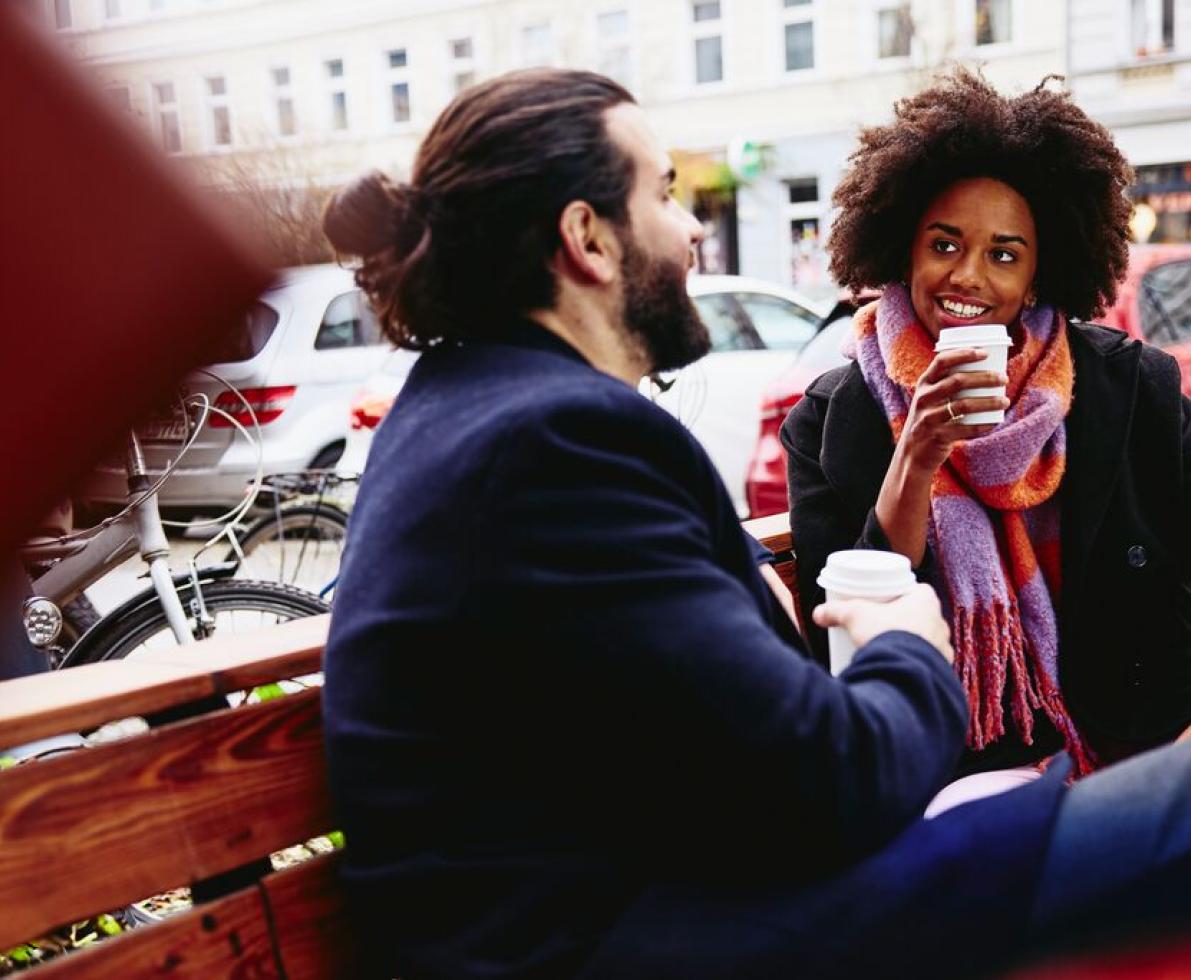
<point>948,319</point>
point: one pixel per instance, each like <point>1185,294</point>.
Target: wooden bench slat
<point>91,830</point>
<point>86,697</point>
<point>248,659</point>
<point>772,531</point>
<point>228,937</point>
<point>311,923</point>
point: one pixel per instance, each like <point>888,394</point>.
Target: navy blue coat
<point>555,681</point>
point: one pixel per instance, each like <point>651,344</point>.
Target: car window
<point>1164,301</point>
<point>781,325</point>
<point>250,338</point>
<point>348,322</point>
<point>729,327</point>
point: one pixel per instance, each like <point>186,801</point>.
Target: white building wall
<point>807,118</point>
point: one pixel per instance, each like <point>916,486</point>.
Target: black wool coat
<point>1125,608</point>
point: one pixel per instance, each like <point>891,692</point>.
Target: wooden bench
<point>199,799</point>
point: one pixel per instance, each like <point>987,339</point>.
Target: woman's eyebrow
<point>946,229</point>
<point>1005,239</point>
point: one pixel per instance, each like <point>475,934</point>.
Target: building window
<point>337,94</point>
<point>62,19</point>
<point>219,119</point>
<point>1151,27</point>
<point>707,17</point>
<point>111,9</point>
<point>537,45</point>
<point>808,260</point>
<point>615,58</point>
<point>398,61</point>
<point>798,28</point>
<point>994,21</point>
<point>165,107</point>
<point>283,102</point>
<point>463,63</point>
<point>895,30</point>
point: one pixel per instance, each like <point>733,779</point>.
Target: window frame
<point>159,110</point>
<point>700,30</point>
<point>211,103</point>
<point>805,13</point>
<point>966,21</point>
<point>394,76</point>
<point>626,42</point>
<point>522,48</point>
<point>333,85</point>
<point>457,66</point>
<point>891,62</point>
<point>277,92</point>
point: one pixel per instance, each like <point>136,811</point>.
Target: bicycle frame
<point>79,564</point>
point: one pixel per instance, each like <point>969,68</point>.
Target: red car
<point>1153,304</point>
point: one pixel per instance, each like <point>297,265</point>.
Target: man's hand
<point>916,612</point>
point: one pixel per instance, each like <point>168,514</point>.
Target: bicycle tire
<point>302,545</point>
<point>121,632</point>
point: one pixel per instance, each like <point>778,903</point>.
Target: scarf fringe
<point>990,647</point>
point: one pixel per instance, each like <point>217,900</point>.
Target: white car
<point>757,329</point>
<point>306,346</point>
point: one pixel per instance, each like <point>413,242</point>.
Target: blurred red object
<point>116,278</point>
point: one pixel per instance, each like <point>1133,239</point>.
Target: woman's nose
<point>967,272</point>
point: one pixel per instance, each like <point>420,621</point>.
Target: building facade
<point>1130,67</point>
<point>760,100</point>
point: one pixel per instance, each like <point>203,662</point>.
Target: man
<point>570,731</point>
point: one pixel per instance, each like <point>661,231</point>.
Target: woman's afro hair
<point>1064,164</point>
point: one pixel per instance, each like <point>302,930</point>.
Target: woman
<point>1058,540</point>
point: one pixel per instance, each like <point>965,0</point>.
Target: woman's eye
<point>1003,255</point>
<point>943,246</point>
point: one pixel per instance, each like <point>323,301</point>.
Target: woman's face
<point>974,256</point>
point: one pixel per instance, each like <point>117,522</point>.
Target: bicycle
<point>176,608</point>
<point>300,540</point>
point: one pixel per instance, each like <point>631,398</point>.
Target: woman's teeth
<point>963,309</point>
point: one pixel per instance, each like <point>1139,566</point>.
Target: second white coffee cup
<point>879,576</point>
<point>993,339</point>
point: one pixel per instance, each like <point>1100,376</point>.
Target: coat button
<point>1137,556</point>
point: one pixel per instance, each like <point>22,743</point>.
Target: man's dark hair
<point>465,244</point>
<point>1040,143</point>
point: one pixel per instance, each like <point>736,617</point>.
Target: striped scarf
<point>994,517</point>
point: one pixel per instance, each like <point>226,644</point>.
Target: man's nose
<point>694,228</point>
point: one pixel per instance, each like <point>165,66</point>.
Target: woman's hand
<point>930,433</point>
<point>931,429</point>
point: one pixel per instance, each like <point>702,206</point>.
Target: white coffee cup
<point>879,576</point>
<point>993,339</point>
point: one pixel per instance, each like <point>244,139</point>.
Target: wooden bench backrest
<point>92,830</point>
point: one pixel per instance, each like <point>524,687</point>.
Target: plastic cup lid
<point>980,335</point>
<point>867,573</point>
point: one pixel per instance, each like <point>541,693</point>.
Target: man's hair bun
<point>371,214</point>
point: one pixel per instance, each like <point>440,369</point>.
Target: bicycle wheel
<point>301,545</point>
<point>235,605</point>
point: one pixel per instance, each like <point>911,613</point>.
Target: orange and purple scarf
<point>994,517</point>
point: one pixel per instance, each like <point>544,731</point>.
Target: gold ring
<point>951,412</point>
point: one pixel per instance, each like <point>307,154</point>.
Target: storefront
<point>1162,203</point>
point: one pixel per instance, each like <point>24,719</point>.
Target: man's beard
<point>657,310</point>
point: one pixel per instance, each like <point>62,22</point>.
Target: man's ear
<point>589,248</point>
